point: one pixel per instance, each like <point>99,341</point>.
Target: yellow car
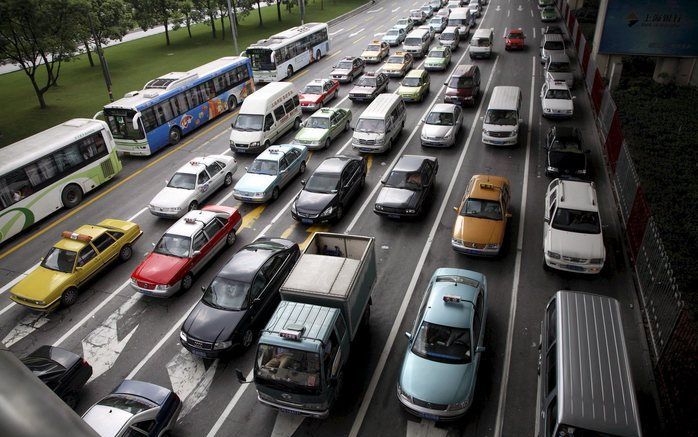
<point>376,52</point>
<point>398,64</point>
<point>71,262</point>
<point>482,216</point>
<point>414,86</point>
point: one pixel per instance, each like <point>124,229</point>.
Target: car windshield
<point>558,95</point>
<point>318,123</point>
<point>515,35</point>
<point>403,21</point>
<point>263,166</point>
<point>401,179</point>
<point>393,33</point>
<point>572,220</point>
<point>227,294</point>
<point>369,81</point>
<point>129,404</point>
<point>413,41</point>
<point>312,89</point>
<point>554,45</point>
<point>553,29</point>
<point>322,183</point>
<point>437,54</point>
<point>559,67</point>
<point>437,21</point>
<point>566,144</point>
<point>185,181</point>
<point>416,14</point>
<point>286,369</point>
<point>410,81</point>
<point>344,65</point>
<point>480,42</point>
<point>461,82</point>
<point>440,118</point>
<point>448,36</point>
<point>249,122</point>
<point>501,117</point>
<point>173,245</point>
<point>443,343</point>
<point>370,125</point>
<point>396,60</point>
<point>481,208</point>
<point>60,260</point>
<point>373,48</point>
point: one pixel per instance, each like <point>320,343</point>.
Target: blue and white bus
<point>171,106</point>
<point>280,55</point>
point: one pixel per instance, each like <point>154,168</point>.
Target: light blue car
<point>439,371</point>
<point>272,170</point>
<point>394,36</point>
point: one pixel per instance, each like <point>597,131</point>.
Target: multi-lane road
<point>125,335</point>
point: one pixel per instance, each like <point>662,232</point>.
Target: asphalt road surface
<point>126,335</point>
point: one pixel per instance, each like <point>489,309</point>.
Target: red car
<point>515,40</point>
<point>317,93</point>
<point>185,249</point>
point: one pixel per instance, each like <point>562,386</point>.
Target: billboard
<point>651,27</point>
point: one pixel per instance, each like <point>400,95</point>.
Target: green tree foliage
<point>151,13</point>
<point>39,35</point>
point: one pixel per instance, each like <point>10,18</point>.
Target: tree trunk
<point>222,24</point>
<point>188,19</point>
<point>213,22</point>
<point>39,92</point>
<point>259,11</point>
<point>89,53</point>
<point>235,13</point>
<point>278,10</point>
<point>167,32</point>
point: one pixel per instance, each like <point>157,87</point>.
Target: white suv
<point>572,237</point>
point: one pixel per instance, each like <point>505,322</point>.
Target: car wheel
<point>71,196</point>
<point>125,253</point>
<point>175,136</point>
<point>228,181</point>
<point>327,143</point>
<point>247,338</point>
<point>301,170</point>
<point>187,281</point>
<point>275,193</point>
<point>289,71</point>
<point>297,123</point>
<point>267,144</point>
<point>69,297</point>
<point>340,212</point>
<point>193,205</point>
<point>230,238</point>
<point>346,127</point>
<point>232,103</point>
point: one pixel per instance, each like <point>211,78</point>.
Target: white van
<point>460,17</point>
<point>379,124</point>
<point>264,116</point>
<point>481,43</point>
<point>501,124</point>
<point>417,42</point>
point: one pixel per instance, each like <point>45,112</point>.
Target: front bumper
<point>370,148</point>
<point>34,304</point>
<point>435,67</point>
<point>361,97</point>
<point>514,46</point>
<point>412,97</point>
<point>558,115</point>
<point>394,73</point>
<point>480,55</point>
<point>461,247</point>
<point>396,213</point>
<point>567,266</point>
<point>251,199</point>
<point>170,291</point>
<point>459,100</point>
<point>207,353</point>
<point>167,214</point>
<point>311,219</point>
<point>321,414</point>
<point>310,106</point>
<point>245,148</point>
<point>500,141</point>
<point>428,413</point>
<point>341,79</point>
<point>437,142</point>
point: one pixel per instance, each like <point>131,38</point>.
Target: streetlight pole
<point>233,28</point>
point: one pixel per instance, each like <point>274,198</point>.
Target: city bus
<point>280,55</point>
<point>53,169</point>
<point>173,105</point>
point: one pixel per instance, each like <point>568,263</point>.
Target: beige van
<point>379,125</point>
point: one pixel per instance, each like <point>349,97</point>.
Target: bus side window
<point>149,120</point>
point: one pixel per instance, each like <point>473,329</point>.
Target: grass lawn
<point>81,91</point>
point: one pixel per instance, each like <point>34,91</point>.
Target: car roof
<point>444,107</point>
<point>464,70</point>
<point>579,195</point>
<point>453,314</point>
<point>92,231</point>
<point>552,37</point>
<point>481,186</point>
<point>196,165</point>
<point>334,164</point>
<point>410,162</point>
<point>416,73</point>
<point>318,82</point>
<point>565,131</point>
<point>558,57</point>
<point>557,84</point>
<point>245,264</point>
<point>191,223</point>
<point>275,152</point>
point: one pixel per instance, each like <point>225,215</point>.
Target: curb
<point>349,14</point>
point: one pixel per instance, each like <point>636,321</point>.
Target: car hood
<point>567,161</point>
<point>466,92</point>
<point>172,197</point>
<point>362,90</point>
<point>435,60</point>
<point>310,98</point>
<point>438,383</point>
<point>40,283</point>
<point>435,130</point>
<point>342,71</point>
<point>397,198</point>
<point>211,324</point>
<point>245,137</point>
<point>159,269</point>
<point>393,66</point>
<point>559,104</point>
<point>575,244</point>
<point>408,89</point>
<point>311,134</point>
<point>514,40</point>
<point>391,38</point>
<point>478,230</point>
<point>313,203</point>
<point>370,53</point>
<point>254,182</point>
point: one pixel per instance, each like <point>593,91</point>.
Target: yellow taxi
<point>376,52</point>
<point>482,216</point>
<point>71,262</point>
<point>398,64</point>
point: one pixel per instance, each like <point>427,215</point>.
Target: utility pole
<point>302,5</point>
<point>102,60</point>
<point>233,28</point>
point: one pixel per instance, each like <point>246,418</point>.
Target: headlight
<point>492,246</point>
<point>254,144</point>
<point>547,110</point>
<point>133,282</point>
<point>411,211</point>
<point>260,194</point>
<point>379,207</point>
<point>183,336</point>
<point>582,171</point>
<point>596,261</point>
<point>458,406</point>
<point>554,255</point>
<point>457,241</point>
<point>515,132</point>
<point>161,287</point>
<point>327,211</point>
<point>222,345</point>
<point>486,132</point>
<point>553,169</point>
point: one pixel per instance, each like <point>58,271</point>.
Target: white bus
<point>280,55</point>
<point>53,169</point>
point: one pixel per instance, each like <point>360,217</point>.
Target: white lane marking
<point>18,278</point>
<point>504,35</point>
<point>534,32</point>
<point>190,379</point>
<point>395,10</point>
<point>227,151</point>
<point>517,266</point>
<point>424,428</point>
<point>373,384</point>
<point>379,34</point>
<point>373,11</point>
<point>7,308</point>
<point>102,347</point>
<point>29,323</point>
<point>508,12</point>
<point>336,32</point>
<point>531,13</point>
<point>351,35</point>
<point>133,217</point>
<point>228,408</point>
<point>286,425</point>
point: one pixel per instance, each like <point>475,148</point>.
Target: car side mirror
<point>203,288</point>
<point>480,349</point>
<point>196,253</point>
<point>574,97</point>
<point>232,125</point>
<point>166,182</point>
<point>509,215</point>
<point>408,335</point>
<point>303,182</point>
<point>152,244</point>
<point>246,168</point>
<point>78,268</point>
<point>455,208</point>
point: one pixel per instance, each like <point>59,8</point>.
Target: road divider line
<point>352,35</point>
<point>336,32</point>
<point>373,384</point>
<point>517,267</point>
<point>7,308</point>
<point>133,217</point>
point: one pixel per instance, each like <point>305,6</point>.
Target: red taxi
<point>515,40</point>
<point>184,250</point>
<point>317,93</point>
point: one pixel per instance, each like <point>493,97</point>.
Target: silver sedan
<point>441,125</point>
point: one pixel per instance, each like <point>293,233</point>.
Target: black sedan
<point>406,188</point>
<point>239,299</point>
<point>565,155</point>
<point>335,183</point>
<point>62,371</point>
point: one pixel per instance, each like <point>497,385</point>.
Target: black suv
<point>333,185</point>
<point>407,187</point>
<point>565,156</point>
<point>369,86</point>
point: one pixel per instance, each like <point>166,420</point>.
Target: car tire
<point>232,103</point>
<point>69,297</point>
<point>275,193</point>
<point>247,338</point>
<point>193,205</point>
<point>346,127</point>
<point>297,123</point>
<point>125,253</point>
<point>289,71</point>
<point>187,282</point>
<point>230,238</point>
<point>175,135</point>
<point>318,55</point>
<point>340,213</point>
<point>71,196</point>
<point>302,167</point>
<point>228,181</point>
<point>327,144</point>
<point>267,144</point>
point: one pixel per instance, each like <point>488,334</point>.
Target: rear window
<point>461,82</point>
<point>554,45</point>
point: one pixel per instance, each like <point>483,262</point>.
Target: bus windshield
<point>290,370</point>
<point>261,59</point>
<point>121,124</point>
<point>249,122</point>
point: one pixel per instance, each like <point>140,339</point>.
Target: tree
<point>259,11</point>
<point>278,10</point>
<point>149,13</point>
<point>190,13</point>
<point>39,35</point>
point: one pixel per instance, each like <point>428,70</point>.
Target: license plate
<point>364,149</point>
<point>306,221</point>
<point>295,413</point>
<point>497,142</point>
<point>474,252</point>
<point>198,353</point>
<point>575,268</point>
<point>433,417</point>
<point>395,216</point>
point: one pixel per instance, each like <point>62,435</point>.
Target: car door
<point>215,170</point>
<point>106,247</point>
<point>87,264</point>
<point>478,328</point>
<point>203,185</point>
<point>273,270</point>
<point>200,251</point>
<point>215,236</point>
<point>335,120</point>
<point>350,180</point>
<point>285,172</point>
<point>256,297</point>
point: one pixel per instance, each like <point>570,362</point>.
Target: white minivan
<point>460,17</point>
<point>379,124</point>
<point>417,42</point>
<point>264,116</point>
<point>501,124</point>
<point>481,43</point>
